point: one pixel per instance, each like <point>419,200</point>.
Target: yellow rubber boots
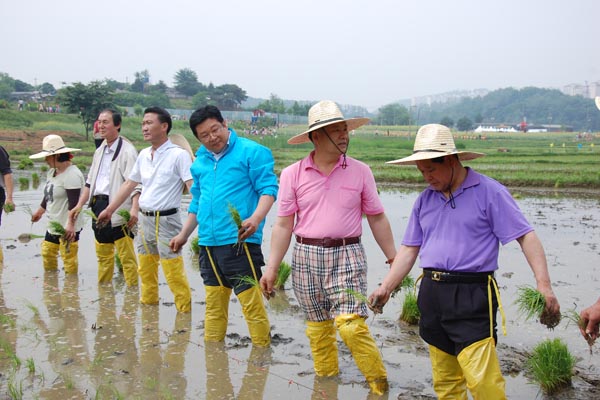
<point>69,256</point>
<point>355,333</point>
<point>479,363</point>
<point>448,379</point>
<point>105,253</point>
<point>50,255</point>
<point>178,283</point>
<point>148,270</point>
<point>216,313</point>
<point>254,311</point>
<point>126,253</point>
<point>323,346</point>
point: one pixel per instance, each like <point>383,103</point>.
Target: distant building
<point>587,90</point>
<point>495,128</point>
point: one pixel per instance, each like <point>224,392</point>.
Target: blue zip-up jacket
<point>239,177</point>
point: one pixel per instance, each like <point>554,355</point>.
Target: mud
<point>66,337</point>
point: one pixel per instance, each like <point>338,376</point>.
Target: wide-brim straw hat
<point>51,145</point>
<point>598,102</point>
<point>180,140</point>
<point>325,113</point>
<point>433,141</point>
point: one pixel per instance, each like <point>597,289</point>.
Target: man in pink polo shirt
<point>326,194</point>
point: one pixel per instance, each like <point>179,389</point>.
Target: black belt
<point>457,277</point>
<point>159,213</point>
<point>101,197</point>
<point>328,242</point>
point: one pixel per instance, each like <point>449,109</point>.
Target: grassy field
<point>547,160</point>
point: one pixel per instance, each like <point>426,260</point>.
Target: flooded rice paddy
<point>66,337</point>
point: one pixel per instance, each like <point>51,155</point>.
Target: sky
<point>367,53</point>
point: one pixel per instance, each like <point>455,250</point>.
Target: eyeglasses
<point>203,137</point>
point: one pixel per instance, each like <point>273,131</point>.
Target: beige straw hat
<point>180,140</point>
<point>598,102</point>
<point>434,140</point>
<point>52,144</point>
<point>325,113</point>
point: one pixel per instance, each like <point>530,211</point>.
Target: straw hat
<point>434,140</point>
<point>325,113</point>
<point>53,144</point>
<point>598,102</point>
<point>180,140</point>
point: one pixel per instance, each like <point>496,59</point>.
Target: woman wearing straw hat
<point>455,229</point>
<point>321,200</point>
<point>61,193</point>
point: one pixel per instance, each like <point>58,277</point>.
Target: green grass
<point>551,365</point>
<point>529,162</point>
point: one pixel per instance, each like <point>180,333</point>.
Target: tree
<point>186,82</point>
<point>202,99</point>
<point>86,100</point>
<point>447,121</point>
<point>297,109</point>
<point>273,105</point>
<point>393,114</point>
<point>47,88</point>
<point>229,96</point>
<point>21,86</point>
<point>7,86</point>
<point>142,78</point>
<point>464,124</point>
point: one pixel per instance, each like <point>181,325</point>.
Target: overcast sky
<point>366,53</point>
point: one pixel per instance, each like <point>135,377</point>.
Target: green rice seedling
<point>532,304</point>
<point>246,280</point>
<point>7,320</point>
<point>410,311</point>
<point>27,237</point>
<point>194,246</point>
<point>15,389</point>
<point>573,316</point>
<point>68,380</point>
<point>91,214</point>
<point>59,230</point>
<point>151,383</point>
<point>8,208</point>
<point>30,363</point>
<point>551,365</point>
<point>44,168</point>
<point>33,308</point>
<point>407,283</point>
<point>23,183</point>
<point>283,274</point>
<point>35,180</point>
<point>235,216</point>
<point>25,163</point>
<point>118,262</point>
<point>125,214</point>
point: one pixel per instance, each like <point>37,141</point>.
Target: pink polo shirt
<point>328,206</point>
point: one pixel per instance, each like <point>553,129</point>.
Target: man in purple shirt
<point>321,200</point>
<point>455,228</point>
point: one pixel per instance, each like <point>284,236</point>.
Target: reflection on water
<point>96,341</point>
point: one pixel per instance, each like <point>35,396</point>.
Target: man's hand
<point>591,320</point>
<point>103,218</point>
<point>551,314</point>
<point>177,243</point>
<point>267,281</point>
<point>378,299</point>
<point>74,213</point>
<point>249,227</point>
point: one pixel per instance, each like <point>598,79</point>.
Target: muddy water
<point>67,338</point>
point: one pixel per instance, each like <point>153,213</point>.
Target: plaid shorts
<point>326,281</point>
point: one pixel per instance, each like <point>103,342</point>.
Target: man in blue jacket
<point>231,175</point>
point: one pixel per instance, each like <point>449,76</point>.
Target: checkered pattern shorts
<point>323,277</point>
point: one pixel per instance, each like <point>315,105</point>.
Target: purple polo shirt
<point>465,238</point>
<point>328,205</point>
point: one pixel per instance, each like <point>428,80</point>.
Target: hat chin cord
<point>344,163</point>
<point>452,202</point>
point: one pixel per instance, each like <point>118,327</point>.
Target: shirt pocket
<point>349,197</point>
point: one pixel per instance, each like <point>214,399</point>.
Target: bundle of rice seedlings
<point>407,283</point>
<point>574,316</point>
<point>8,208</point>
<point>532,304</point>
<point>194,246</point>
<point>58,229</point>
<point>91,214</point>
<point>246,280</point>
<point>125,214</point>
<point>410,311</point>
<point>283,274</point>
<point>551,365</point>
<point>237,220</point>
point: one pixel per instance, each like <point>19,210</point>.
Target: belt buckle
<point>436,276</point>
